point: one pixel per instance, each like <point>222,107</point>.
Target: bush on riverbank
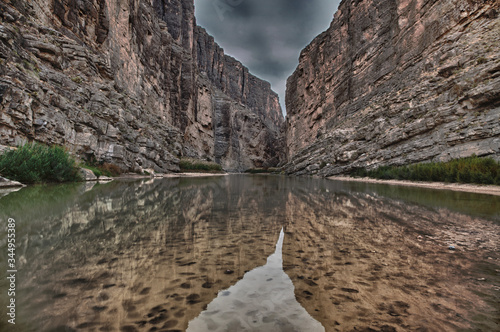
<point>465,170</point>
<point>191,165</point>
<point>105,169</point>
<point>257,171</point>
<point>269,170</point>
<point>97,172</point>
<point>37,163</point>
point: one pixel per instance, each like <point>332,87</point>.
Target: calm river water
<point>251,253</point>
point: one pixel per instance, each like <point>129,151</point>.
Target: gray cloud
<point>266,35</point>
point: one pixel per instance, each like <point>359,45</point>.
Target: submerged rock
<point>87,175</point>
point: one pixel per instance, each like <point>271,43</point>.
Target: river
<point>251,253</point>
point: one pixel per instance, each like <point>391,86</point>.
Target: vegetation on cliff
<point>427,87</point>
<point>195,165</point>
<point>70,52</point>
<point>37,163</point>
<point>269,170</point>
<point>465,170</point>
<point>106,169</point>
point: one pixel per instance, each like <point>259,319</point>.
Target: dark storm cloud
<point>266,35</point>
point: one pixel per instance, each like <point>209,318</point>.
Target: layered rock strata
<point>396,82</point>
<point>129,83</point>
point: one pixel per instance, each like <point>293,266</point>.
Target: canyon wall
<point>129,82</point>
<point>396,82</point>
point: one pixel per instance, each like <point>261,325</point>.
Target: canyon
<point>132,83</point>
<point>395,83</point>
<point>140,85</point>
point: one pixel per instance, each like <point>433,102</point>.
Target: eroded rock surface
<point>396,82</point>
<point>129,82</point>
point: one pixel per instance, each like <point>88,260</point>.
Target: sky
<point>266,35</point>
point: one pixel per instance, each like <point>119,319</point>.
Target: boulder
<point>105,179</point>
<point>87,175</point>
<point>6,183</point>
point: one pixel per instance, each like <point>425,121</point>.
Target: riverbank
<point>192,175</point>
<point>170,175</point>
<point>472,188</point>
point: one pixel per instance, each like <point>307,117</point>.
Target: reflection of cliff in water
<point>151,253</point>
<point>362,262</point>
<point>140,255</point>
<point>478,205</point>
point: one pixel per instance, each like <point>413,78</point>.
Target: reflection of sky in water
<point>263,300</point>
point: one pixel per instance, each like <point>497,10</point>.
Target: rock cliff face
<point>396,82</point>
<point>243,106</point>
<point>129,82</point>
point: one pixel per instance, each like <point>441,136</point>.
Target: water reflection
<point>264,300</point>
<point>361,261</point>
<point>153,255</point>
<point>478,205</point>
<point>134,255</point>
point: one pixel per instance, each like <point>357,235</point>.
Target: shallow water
<point>264,300</point>
<point>162,255</point>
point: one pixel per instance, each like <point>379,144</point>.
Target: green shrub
<point>77,79</point>
<point>359,172</point>
<point>257,171</point>
<point>269,170</point>
<point>94,169</point>
<point>189,164</point>
<point>465,170</point>
<point>481,60</point>
<point>36,163</point>
<point>109,169</point>
<point>106,169</point>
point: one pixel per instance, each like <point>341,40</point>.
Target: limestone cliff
<point>396,82</point>
<point>128,82</point>
<point>246,112</point>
